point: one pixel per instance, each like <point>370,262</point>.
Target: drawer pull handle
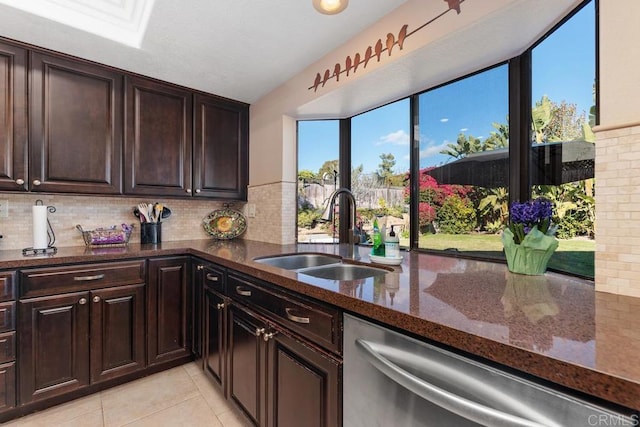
<point>212,277</point>
<point>88,278</point>
<point>243,292</point>
<point>96,299</point>
<point>295,318</point>
<point>82,301</point>
<point>259,331</point>
<point>220,306</point>
<point>268,336</point>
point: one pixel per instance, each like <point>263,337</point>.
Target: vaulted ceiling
<point>244,49</point>
<point>240,49</point>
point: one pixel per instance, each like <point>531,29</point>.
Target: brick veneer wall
<point>617,172</point>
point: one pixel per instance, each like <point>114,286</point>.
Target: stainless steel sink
<point>299,261</point>
<point>344,272</point>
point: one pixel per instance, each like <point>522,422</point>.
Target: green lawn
<point>574,256</point>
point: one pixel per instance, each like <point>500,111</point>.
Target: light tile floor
<point>182,396</point>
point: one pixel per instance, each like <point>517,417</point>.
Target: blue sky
<point>563,69</point>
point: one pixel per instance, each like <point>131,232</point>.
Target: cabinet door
<point>117,331</point>
<point>214,336</point>
<point>246,362</point>
<point>76,126</point>
<point>221,148</point>
<point>168,299</point>
<point>13,118</point>
<point>53,345</point>
<point>302,384</point>
<point>158,139</point>
<point>7,386</point>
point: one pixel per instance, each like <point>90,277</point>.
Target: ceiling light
<point>330,7</point>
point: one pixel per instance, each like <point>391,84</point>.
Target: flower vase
<point>532,254</point>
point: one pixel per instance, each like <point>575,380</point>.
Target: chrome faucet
<point>327,215</point>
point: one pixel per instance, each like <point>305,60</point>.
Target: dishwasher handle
<point>457,404</point>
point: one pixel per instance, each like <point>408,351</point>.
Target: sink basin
<point>299,261</point>
<point>344,272</point>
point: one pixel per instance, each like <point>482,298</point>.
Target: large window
<point>464,163</point>
<point>318,177</point>
<point>469,152</point>
<point>563,145</point>
<point>380,168</point>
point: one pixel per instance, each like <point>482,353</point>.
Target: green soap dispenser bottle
<point>378,248</point>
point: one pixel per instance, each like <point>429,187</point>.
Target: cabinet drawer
<point>213,278</point>
<point>7,347</point>
<point>7,286</point>
<point>7,316</point>
<point>54,280</point>
<point>315,322</point>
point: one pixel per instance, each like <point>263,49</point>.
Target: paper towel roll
<point>40,236</point>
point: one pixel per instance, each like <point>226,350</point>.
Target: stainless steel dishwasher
<point>393,380</point>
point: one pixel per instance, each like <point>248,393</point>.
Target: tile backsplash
<point>92,212</point>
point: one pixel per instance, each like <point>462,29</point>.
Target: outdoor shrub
<point>456,216</point>
<point>426,215</point>
<point>308,218</point>
<point>571,226</point>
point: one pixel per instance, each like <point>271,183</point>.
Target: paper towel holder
<point>50,249</point>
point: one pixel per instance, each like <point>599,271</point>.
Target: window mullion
<point>345,178</point>
<point>414,172</point>
<point>519,127</point>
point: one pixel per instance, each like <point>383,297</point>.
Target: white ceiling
<point>243,49</point>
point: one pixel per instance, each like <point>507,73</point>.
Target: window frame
<point>519,100</point>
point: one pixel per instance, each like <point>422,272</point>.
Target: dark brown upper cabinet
<point>158,139</point>
<point>76,126</point>
<point>221,146</point>
<point>13,117</point>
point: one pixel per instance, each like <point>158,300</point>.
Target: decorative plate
<point>225,223</point>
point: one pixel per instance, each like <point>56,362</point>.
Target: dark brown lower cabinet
<point>117,331</point>
<point>277,379</point>
<point>303,385</point>
<point>70,341</point>
<point>247,362</point>
<point>168,297</point>
<point>7,386</point>
<point>215,312</point>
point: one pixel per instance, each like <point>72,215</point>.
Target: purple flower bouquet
<point>529,240</point>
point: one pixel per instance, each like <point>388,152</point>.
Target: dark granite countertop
<point>554,327</point>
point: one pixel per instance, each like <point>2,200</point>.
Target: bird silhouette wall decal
<point>352,65</point>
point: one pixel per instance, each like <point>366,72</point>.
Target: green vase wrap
<point>532,255</point>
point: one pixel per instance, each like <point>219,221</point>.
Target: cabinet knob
<point>20,181</point>
<point>200,267</point>
<point>268,336</point>
<point>198,190</point>
<point>188,190</point>
<point>96,299</point>
<point>220,306</point>
<point>36,182</point>
<point>82,301</point>
<point>259,331</point>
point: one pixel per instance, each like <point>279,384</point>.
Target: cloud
<point>399,137</point>
<point>464,129</point>
<point>444,120</point>
<point>432,149</point>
